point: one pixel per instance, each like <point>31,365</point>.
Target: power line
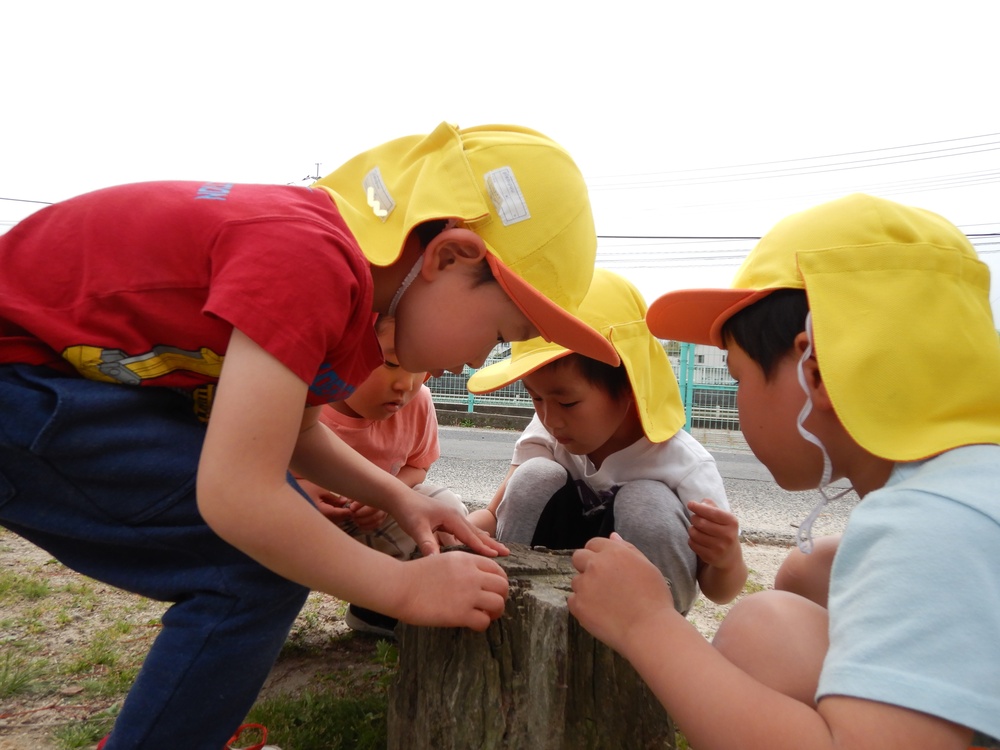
<point>667,237</point>
<point>655,256</point>
<point>814,158</point>
<point>883,189</point>
<point>747,237</point>
<point>25,200</point>
<point>779,173</point>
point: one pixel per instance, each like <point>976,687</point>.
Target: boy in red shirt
<point>130,314</point>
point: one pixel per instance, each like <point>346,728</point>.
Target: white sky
<point>658,101</point>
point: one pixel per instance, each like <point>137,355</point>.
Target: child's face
<point>454,321</point>
<point>389,388</point>
<point>769,412</point>
<point>583,417</point>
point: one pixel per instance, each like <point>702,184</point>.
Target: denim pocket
<point>130,452</point>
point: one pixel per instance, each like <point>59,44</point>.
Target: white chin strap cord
<point>803,538</point>
<point>404,286</point>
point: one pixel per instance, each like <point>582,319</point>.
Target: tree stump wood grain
<point>535,679</point>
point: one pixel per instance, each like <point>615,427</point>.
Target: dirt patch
<point>69,616</point>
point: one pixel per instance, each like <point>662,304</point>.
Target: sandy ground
<point>26,722</point>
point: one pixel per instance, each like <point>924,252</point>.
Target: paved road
<point>474,461</point>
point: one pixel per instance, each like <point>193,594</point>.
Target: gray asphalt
<point>474,461</point>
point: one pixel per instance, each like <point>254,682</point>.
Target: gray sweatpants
<point>647,513</point>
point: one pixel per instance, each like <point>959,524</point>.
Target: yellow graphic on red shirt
<point>116,366</point>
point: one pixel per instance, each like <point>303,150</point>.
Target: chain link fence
<point>709,394</point>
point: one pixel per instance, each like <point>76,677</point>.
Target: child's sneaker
<point>368,621</point>
<point>257,730</point>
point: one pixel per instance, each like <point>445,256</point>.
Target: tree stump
<point>535,679</point>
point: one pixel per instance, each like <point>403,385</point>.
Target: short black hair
<point>428,230</point>
<point>614,380</point>
<point>766,330</point>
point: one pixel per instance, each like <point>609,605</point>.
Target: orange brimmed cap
<point>514,187</point>
<point>615,308</point>
<point>901,319</point>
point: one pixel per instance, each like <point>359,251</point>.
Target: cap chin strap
<point>449,224</point>
<point>405,285</point>
<point>803,538</point>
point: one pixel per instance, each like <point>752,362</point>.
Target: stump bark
<point>535,679</point>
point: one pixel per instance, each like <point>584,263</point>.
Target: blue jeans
<point>102,476</point>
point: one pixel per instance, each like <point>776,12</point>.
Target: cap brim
<point>697,315</point>
<point>514,368</point>
<point>553,322</point>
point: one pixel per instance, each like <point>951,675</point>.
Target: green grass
<point>15,585</point>
<point>74,735</point>
<point>18,673</point>
<point>63,642</point>
<point>320,720</point>
<point>348,710</point>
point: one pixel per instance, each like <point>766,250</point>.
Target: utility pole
<point>310,177</point>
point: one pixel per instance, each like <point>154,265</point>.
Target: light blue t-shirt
<point>915,592</point>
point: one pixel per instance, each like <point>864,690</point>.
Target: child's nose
<point>407,381</point>
<point>550,418</point>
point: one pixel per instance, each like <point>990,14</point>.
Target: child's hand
<point>455,589</point>
<point>714,534</point>
<point>422,517</point>
<point>340,509</point>
<point>485,520</point>
<point>367,517</point>
<point>334,507</point>
<point>445,539</point>
<point>617,590</point>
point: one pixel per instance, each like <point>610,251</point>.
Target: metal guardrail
<point>708,392</point>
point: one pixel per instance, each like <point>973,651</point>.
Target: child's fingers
<point>476,589</point>
<point>335,513</point>
<point>473,537</point>
<point>706,509</point>
<point>367,517</point>
<point>497,584</point>
<point>428,545</point>
<point>598,543</point>
<point>445,539</point>
<point>360,510</point>
<point>495,588</point>
<point>581,558</point>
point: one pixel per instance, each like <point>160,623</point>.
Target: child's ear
<point>813,377</point>
<point>451,247</point>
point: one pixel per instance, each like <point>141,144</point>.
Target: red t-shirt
<point>142,284</point>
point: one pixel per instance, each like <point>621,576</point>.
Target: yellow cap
<point>615,308</point>
<point>901,317</point>
<point>517,189</point>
